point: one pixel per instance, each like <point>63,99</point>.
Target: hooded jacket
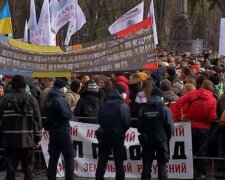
<point>116,108</point>
<point>20,120</point>
<point>200,108</point>
<point>57,110</point>
<point>122,80</point>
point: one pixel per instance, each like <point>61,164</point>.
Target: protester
<point>143,95</point>
<point>72,96</point>
<point>155,125</point>
<point>21,128</point>
<point>105,85</point>
<point>122,80</point>
<point>201,112</point>
<point>8,81</point>
<point>170,74</point>
<point>58,115</point>
<point>47,84</point>
<point>215,77</point>
<point>168,94</point>
<point>135,84</point>
<point>221,137</point>
<point>88,104</point>
<point>192,81</point>
<point>178,88</point>
<point>114,120</point>
<point>2,163</point>
<point>188,87</point>
<point>185,74</point>
<point>2,88</point>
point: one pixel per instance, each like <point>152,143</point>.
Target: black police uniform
<point>114,120</point>
<point>21,128</point>
<point>155,126</point>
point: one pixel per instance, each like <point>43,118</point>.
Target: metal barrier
<point>211,161</point>
<point>213,166</point>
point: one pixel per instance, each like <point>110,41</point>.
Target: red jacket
<point>199,107</point>
<point>122,80</point>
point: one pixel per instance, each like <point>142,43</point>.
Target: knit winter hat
<point>142,75</point>
<point>157,92</point>
<point>18,82</point>
<point>216,69</point>
<point>171,71</point>
<point>92,87</point>
<point>179,85</point>
<point>60,83</point>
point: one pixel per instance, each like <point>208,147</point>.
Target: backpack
<point>90,108</point>
<point>111,124</point>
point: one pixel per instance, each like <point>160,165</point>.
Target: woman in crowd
<point>72,96</point>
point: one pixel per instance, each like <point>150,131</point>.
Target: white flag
<point>76,24</point>
<point>43,35</point>
<point>222,38</point>
<point>32,23</point>
<point>132,17</point>
<point>152,15</point>
<point>62,11</point>
<point>25,36</point>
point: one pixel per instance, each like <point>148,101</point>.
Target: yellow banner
<point>51,74</point>
<point>5,26</point>
<point>35,48</point>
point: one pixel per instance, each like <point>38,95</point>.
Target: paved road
<point>41,175</point>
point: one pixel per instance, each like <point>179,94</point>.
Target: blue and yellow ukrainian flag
<point>5,20</point>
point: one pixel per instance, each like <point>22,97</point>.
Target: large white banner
<point>86,153</point>
<point>133,16</point>
<point>222,37</point>
<point>152,15</point>
<point>62,11</point>
<point>76,24</point>
<point>42,35</point>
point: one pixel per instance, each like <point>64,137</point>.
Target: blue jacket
<point>57,110</point>
<point>114,114</point>
<point>155,120</point>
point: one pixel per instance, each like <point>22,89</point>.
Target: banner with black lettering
<point>85,145</point>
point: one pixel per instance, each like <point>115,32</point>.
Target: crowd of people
<point>189,88</point>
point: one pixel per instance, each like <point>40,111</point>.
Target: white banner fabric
<point>222,38</point>
<point>61,12</point>
<point>76,24</point>
<point>132,17</point>
<point>42,35</point>
<point>85,144</point>
<point>152,15</point>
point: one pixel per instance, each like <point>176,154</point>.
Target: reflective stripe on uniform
<point>13,115</point>
<point>18,131</point>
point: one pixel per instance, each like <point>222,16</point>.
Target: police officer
<point>155,125</point>
<point>58,115</point>
<point>21,127</point>
<point>114,120</point>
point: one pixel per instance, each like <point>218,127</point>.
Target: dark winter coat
<point>155,120</point>
<point>57,110</point>
<point>20,120</point>
<point>88,106</point>
<point>114,114</point>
